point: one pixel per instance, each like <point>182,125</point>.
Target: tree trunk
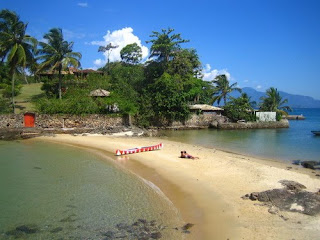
<point>60,83</point>
<point>25,76</point>
<point>12,92</point>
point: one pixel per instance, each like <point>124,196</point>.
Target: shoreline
<point>213,187</point>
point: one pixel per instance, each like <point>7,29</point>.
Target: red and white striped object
<point>138,149</point>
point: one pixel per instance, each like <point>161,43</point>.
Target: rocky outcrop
<point>291,198</point>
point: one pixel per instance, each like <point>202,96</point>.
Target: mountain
<point>294,101</point>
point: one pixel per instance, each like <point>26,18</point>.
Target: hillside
<point>294,101</point>
<point>24,99</point>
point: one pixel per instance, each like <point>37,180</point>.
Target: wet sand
<point>207,191</point>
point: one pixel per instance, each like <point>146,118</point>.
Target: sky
<point>256,43</point>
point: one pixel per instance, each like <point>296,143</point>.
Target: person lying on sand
<point>184,154</point>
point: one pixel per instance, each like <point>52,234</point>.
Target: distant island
<point>295,101</point>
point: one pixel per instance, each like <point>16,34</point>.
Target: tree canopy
<point>222,89</point>
<point>57,54</point>
<point>15,45</point>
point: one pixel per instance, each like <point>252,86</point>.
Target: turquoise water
<point>296,142</point>
<point>68,193</point>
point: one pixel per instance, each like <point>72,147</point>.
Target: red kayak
<point>139,149</point>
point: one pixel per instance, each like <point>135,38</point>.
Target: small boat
<point>139,149</point>
<point>317,133</point>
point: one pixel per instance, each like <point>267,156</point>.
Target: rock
<point>27,229</point>
<point>292,185</point>
<point>156,235</point>
<point>254,196</point>
<point>273,210</point>
<point>310,164</point>
<point>57,229</point>
<point>291,198</point>
<point>21,231</point>
<point>187,226</point>
<point>296,162</point>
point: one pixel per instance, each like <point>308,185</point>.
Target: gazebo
<point>99,93</point>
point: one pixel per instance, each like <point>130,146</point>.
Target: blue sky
<point>258,43</point>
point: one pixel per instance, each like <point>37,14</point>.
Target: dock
<point>294,117</point>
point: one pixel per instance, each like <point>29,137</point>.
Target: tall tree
<point>165,44</point>
<point>222,89</point>
<point>57,54</point>
<point>273,102</point>
<point>131,53</point>
<point>16,47</point>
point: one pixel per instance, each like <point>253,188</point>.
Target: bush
<point>5,106</point>
<point>239,109</point>
<point>7,90</point>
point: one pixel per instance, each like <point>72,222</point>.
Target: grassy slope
<point>23,100</point>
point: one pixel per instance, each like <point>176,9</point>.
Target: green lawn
<point>23,100</point>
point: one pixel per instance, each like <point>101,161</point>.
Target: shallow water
<point>73,191</point>
<point>296,142</point>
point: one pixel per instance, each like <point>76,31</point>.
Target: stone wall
<point>44,121</point>
<point>254,125</point>
<point>200,121</point>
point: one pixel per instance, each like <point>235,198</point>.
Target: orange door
<point>29,119</point>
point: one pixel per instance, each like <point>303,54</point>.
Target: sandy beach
<point>207,191</point>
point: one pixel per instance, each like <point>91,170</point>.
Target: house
<point>205,109</point>
<point>79,73</point>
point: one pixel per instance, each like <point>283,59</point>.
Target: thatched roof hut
<point>204,107</point>
<point>99,93</point>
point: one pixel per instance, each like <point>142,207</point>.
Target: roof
<point>204,107</point>
<point>99,93</point>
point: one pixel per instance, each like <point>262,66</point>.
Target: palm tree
<point>57,54</point>
<point>222,89</point>
<point>247,99</point>
<point>15,45</point>
<point>165,44</point>
<point>273,102</point>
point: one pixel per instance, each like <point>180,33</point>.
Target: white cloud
<point>99,63</point>
<point>246,81</point>
<point>120,38</point>
<point>209,75</point>
<point>258,87</point>
<point>82,4</point>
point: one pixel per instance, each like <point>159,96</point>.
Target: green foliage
<point>16,47</point>
<point>57,54</point>
<point>165,44</point>
<point>273,102</point>
<point>239,109</point>
<point>7,91</point>
<point>4,74</point>
<point>169,99</point>
<point>184,62</point>
<point>5,106</point>
<point>222,89</point>
<point>131,53</point>
<point>67,106</point>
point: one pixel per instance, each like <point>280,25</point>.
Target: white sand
<point>213,185</point>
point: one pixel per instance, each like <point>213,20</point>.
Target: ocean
<point>295,143</point>
<point>63,192</point>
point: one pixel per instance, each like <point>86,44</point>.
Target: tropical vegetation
<point>15,46</point>
<point>273,102</point>
<point>155,92</point>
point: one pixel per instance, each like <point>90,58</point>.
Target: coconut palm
<point>273,102</point>
<point>16,47</point>
<point>222,89</point>
<point>56,54</point>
